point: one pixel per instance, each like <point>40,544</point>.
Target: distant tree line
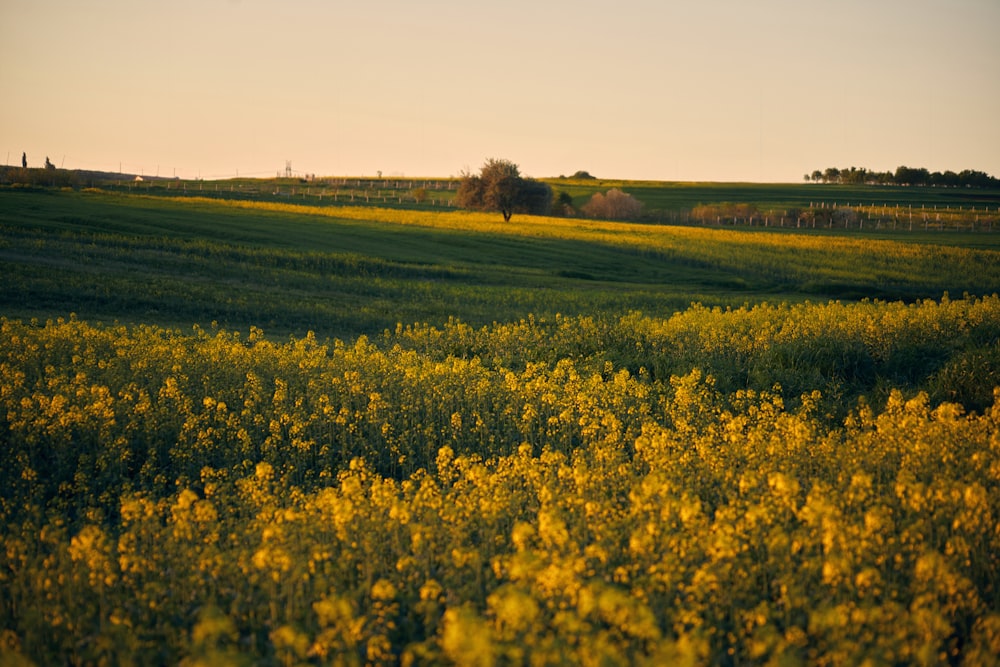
<point>50,176</point>
<point>968,178</point>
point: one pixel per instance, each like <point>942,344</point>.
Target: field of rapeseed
<point>794,484</point>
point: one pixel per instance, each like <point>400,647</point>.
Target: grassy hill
<point>344,271</point>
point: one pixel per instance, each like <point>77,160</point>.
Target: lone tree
<point>24,160</point>
<point>500,187</point>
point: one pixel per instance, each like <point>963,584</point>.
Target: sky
<point>699,90</point>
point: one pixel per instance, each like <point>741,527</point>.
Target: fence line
<point>861,217</point>
<point>339,191</point>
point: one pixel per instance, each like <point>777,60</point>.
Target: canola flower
<point>771,484</point>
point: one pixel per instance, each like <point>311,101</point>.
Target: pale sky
<point>717,90</point>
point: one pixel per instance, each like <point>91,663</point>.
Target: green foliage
<point>968,377</point>
<point>967,178</point>
<point>49,176</point>
<point>562,204</point>
<point>500,187</point>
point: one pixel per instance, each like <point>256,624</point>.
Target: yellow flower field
<point>767,485</point>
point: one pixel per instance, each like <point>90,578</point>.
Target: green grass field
<point>672,197</point>
<point>344,271</point>
<point>663,201</point>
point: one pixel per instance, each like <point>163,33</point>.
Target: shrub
<point>615,205</point>
<point>562,204</point>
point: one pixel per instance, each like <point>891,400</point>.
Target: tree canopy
<point>500,187</point>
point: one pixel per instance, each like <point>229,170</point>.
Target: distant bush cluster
<point>47,177</point>
<point>968,178</point>
<point>615,205</point>
<point>723,211</point>
<point>748,213</point>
